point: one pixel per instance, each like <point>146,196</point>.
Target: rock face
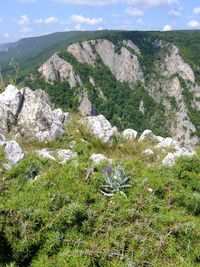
<point>13,152</point>
<point>29,114</point>
<point>175,64</point>
<point>175,73</point>
<point>57,68</point>
<point>100,127</point>
<point>83,52</point>
<point>124,65</point>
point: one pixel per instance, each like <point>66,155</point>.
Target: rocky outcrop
<point>131,45</point>
<point>83,52</point>
<point>29,114</point>
<point>57,68</point>
<point>175,64</point>
<point>13,152</point>
<point>172,71</point>
<point>100,127</point>
<point>124,65</point>
<point>60,155</point>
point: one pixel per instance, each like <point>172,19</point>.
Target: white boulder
<point>129,134</point>
<point>29,114</point>
<point>100,127</point>
<point>168,143</point>
<point>13,153</point>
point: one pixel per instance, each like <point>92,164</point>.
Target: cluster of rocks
<point>29,114</point>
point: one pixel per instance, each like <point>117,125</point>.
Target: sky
<point>25,18</point>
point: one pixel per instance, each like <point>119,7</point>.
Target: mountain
<point>139,80</point>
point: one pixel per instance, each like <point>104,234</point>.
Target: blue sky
<point>25,18</point>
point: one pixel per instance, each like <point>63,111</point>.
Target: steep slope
<point>169,79</point>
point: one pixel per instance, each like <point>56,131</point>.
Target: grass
<point>62,218</point>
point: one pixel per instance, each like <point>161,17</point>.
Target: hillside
<point>74,191</point>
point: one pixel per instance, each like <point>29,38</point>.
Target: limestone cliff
<point>170,80</point>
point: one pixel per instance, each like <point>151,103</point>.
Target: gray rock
<point>124,65</point>
<point>61,155</point>
<point>57,68</point>
<point>29,114</point>
<point>168,143</point>
<point>147,135</point>
<point>129,134</point>
<point>83,52</point>
<point>100,127</point>
<point>13,153</point>
<point>86,108</point>
<point>36,119</point>
<point>12,98</point>
<point>170,159</point>
<point>98,158</point>
<point>130,44</point>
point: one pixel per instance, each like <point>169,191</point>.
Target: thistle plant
<point>116,182</point>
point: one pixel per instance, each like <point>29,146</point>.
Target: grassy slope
<point>62,219</point>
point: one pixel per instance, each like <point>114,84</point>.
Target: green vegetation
<point>61,218</point>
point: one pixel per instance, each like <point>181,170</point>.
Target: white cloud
<point>79,19</point>
<point>167,27</point>
<point>135,12</point>
<point>77,27</point>
<point>174,13</point>
<point>196,10</point>
<point>144,3</point>
<point>193,24</point>
<point>6,35</point>
<point>50,20</point>
<point>26,30</point>
<point>151,3</point>
<point>89,2</point>
<point>24,20</point>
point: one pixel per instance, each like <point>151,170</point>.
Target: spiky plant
<point>116,182</point>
